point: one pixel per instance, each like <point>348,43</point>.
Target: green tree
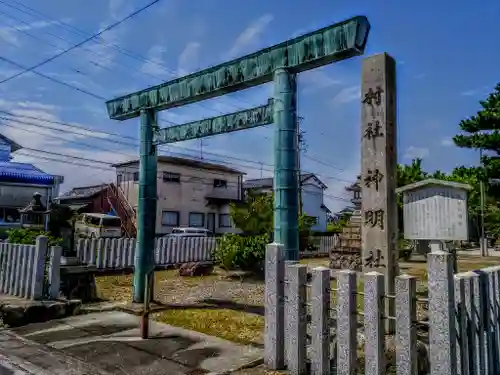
<point>255,215</point>
<point>341,220</point>
<point>410,173</point>
<point>482,131</point>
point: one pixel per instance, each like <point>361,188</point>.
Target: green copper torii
<point>280,63</point>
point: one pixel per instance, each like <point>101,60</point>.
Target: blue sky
<point>447,52</point>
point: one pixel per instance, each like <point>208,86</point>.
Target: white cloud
<point>478,91</point>
<point>447,142</point>
<point>413,152</point>
<point>11,34</point>
<point>317,80</point>
<point>347,95</point>
<point>103,49</point>
<point>119,9</point>
<point>154,64</point>
<point>249,36</point>
<point>188,59</point>
<point>35,134</point>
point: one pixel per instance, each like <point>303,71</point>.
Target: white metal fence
<point>30,271</point>
<point>119,253</point>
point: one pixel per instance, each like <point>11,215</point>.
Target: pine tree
<point>482,131</point>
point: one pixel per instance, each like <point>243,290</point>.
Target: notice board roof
<point>433,181</point>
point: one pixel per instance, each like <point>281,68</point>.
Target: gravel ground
<point>184,291</point>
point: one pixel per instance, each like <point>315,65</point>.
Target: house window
<point>170,218</point>
<point>196,219</point>
<point>224,221</point>
<point>220,183</point>
<point>119,179</point>
<point>136,176</point>
<point>357,195</point>
<point>171,177</point>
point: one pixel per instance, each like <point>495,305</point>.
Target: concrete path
<point>20,357</point>
<point>477,252</point>
<point>109,343</point>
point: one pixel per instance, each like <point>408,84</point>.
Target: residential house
<point>312,193</point>
<point>190,192</point>
<point>19,182</point>
<point>87,199</point>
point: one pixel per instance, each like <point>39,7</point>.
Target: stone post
<point>55,271</point>
<point>378,172</point>
<point>274,334</point>
<point>442,329</point>
<point>39,267</point>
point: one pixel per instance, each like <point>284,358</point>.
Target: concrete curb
<point>252,364</point>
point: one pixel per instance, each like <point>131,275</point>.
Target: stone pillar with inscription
<point>378,170</point>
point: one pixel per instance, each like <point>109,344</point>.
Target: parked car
<point>92,225</point>
<point>190,232</point>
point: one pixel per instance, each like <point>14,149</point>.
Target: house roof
<point>193,163</point>
<point>13,145</point>
<point>24,172</point>
<point>83,192</point>
<point>267,182</point>
<point>435,182</point>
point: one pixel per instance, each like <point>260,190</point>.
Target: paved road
<point>9,367</point>
<point>109,343</point>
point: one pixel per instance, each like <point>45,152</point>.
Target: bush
<point>27,236</point>
<point>238,252</point>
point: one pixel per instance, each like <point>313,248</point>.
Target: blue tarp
<point>23,172</point>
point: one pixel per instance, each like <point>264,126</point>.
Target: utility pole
<point>201,149</point>
<point>484,243</point>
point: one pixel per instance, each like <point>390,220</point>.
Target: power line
<point>25,32</point>
<point>49,78</point>
<point>134,157</point>
<point>125,51</point>
<point>112,26</point>
<point>195,179</point>
<point>135,140</point>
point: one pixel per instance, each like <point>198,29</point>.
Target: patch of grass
<point>236,326</point>
<point>119,287</point>
<point>315,262</point>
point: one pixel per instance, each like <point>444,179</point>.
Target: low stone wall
<point>15,312</point>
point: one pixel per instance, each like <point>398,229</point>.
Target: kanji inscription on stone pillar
<point>378,169</point>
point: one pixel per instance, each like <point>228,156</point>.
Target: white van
<point>98,225</point>
<point>190,232</point>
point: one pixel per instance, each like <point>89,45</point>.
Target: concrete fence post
<point>274,334</point>
<point>4,252</point>
<point>37,281</point>
<point>320,321</point>
<point>406,333</point>
<point>442,334</point>
<point>347,322</point>
<point>478,308</point>
<point>461,324</point>
<point>296,318</point>
<point>55,271</point>
<point>374,307</point>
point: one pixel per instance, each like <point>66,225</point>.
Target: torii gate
<point>279,63</point>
